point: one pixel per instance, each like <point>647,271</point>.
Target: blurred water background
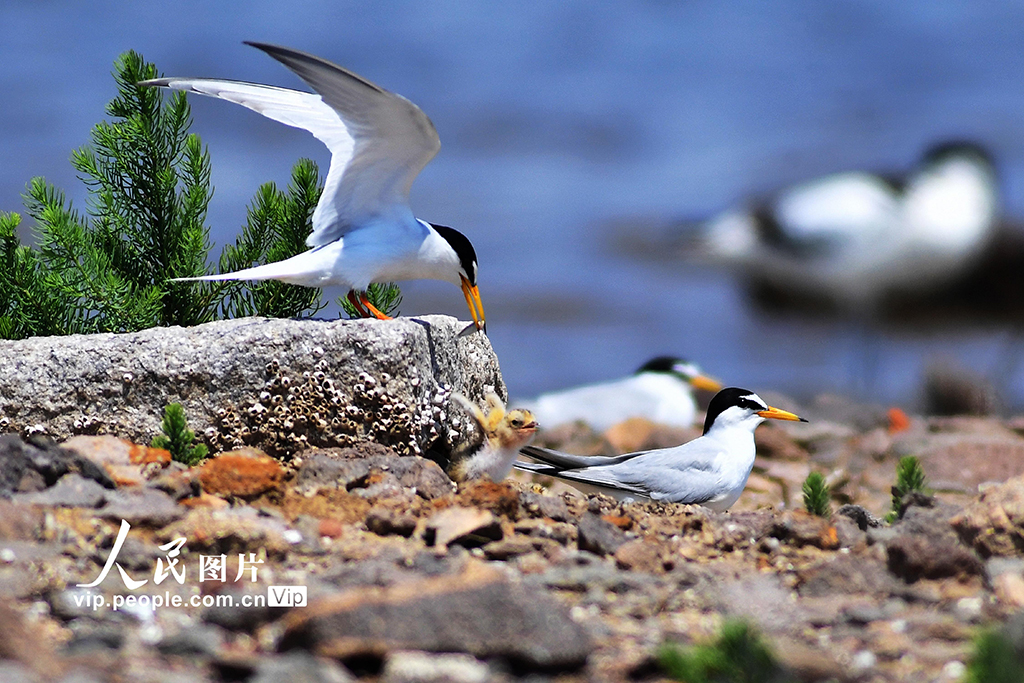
<point>565,126</point>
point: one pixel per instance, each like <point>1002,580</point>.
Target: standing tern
<point>363,228</point>
<point>661,391</point>
<point>711,470</point>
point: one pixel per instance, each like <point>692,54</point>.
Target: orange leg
<point>371,308</point>
<point>355,301</point>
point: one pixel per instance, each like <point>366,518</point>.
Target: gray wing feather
<point>394,140</point>
<point>684,474</point>
<point>568,461</point>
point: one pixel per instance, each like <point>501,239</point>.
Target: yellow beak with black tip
<point>706,383</point>
<point>476,307</point>
<point>777,414</point>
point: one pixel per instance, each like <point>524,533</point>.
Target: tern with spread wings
<point>363,228</point>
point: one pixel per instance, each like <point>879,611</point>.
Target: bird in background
<point>502,434</point>
<point>661,391</point>
<point>363,228</point>
<point>855,237</point>
<point>711,470</point>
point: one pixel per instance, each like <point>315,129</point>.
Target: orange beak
<point>777,414</point>
<point>476,308</point>
<point>706,383</point>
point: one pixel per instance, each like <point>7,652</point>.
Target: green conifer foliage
<point>994,660</point>
<point>278,225</point>
<point>738,655</point>
<point>111,269</point>
<point>149,183</point>
<point>909,478</point>
<point>177,437</point>
<point>817,495</point>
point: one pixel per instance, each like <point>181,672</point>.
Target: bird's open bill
<point>777,414</point>
<point>706,383</point>
<point>476,308</point>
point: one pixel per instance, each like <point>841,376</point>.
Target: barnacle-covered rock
<point>278,385</point>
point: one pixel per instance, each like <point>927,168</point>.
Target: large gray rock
<point>478,612</point>
<point>276,384</point>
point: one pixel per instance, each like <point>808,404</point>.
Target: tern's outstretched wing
<point>379,141</point>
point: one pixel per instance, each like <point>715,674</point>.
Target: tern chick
<point>502,435</point>
<point>711,470</point>
<point>661,391</point>
<point>363,228</point>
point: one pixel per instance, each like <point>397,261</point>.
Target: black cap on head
<point>955,148</point>
<point>728,398</point>
<point>463,249</point>
<point>661,364</point>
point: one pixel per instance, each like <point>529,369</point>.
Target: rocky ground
<point>410,578</point>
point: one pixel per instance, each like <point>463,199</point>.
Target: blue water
<point>560,123</point>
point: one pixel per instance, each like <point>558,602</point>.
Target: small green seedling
<point>386,297</point>
<point>738,655</point>
<point>994,660</point>
<point>909,478</point>
<point>817,495</point>
<point>178,438</point>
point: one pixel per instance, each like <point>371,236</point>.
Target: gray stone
<point>350,468</point>
<point>141,506</point>
<point>390,523</point>
<point>931,557</point>
<point>368,380</point>
<point>71,603</point>
<point>196,641</point>
<point>89,635</point>
<point>34,466</point>
<point>997,566</point>
<point>236,617</point>
<point>860,515</point>
<point>537,505</point>
<point>72,491</point>
<point>135,554</point>
<point>478,612</point>
<point>300,667</point>
<point>324,469</point>
<point>598,536</point>
<point>13,672</point>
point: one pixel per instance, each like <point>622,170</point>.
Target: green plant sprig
<point>817,495</point>
<point>909,478</point>
<point>177,437</point>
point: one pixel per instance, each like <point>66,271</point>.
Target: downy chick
<point>502,435</point>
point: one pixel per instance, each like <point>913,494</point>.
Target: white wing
<point>838,208</point>
<point>379,141</point>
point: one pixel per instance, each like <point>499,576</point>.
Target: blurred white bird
<point>711,470</point>
<point>855,237</point>
<point>363,228</point>
<point>661,390</point>
<point>502,434</point>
